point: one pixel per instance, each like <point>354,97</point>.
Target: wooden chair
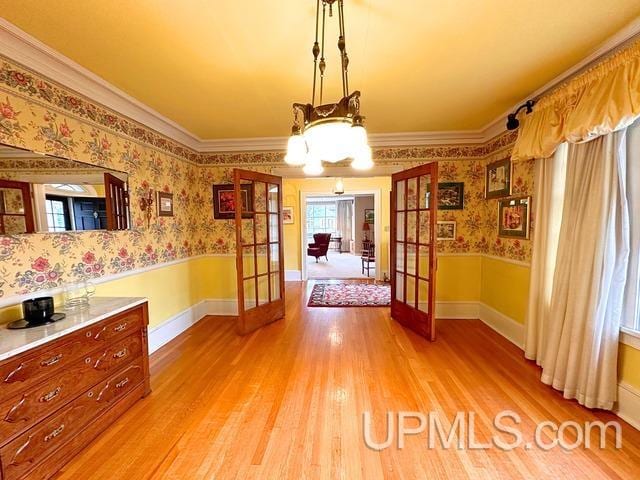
<point>368,257</point>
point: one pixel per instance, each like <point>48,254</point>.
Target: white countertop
<point>13,342</point>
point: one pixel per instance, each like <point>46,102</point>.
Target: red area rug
<point>350,295</point>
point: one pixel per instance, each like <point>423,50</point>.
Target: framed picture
<point>514,217</point>
<point>498,179</point>
<point>287,215</point>
<point>446,230</point>
<point>451,196</point>
<point>165,204</point>
<point>224,202</point>
<point>369,216</point>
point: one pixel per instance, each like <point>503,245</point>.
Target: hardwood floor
<point>286,402</point>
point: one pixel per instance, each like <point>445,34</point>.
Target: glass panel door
<point>413,248</point>
<point>259,253</point>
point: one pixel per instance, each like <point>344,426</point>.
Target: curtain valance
<point>599,101</point>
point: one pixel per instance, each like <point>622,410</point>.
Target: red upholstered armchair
<point>320,246</point>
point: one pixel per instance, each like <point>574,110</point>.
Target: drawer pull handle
<point>12,416</point>
<point>55,433</point>
<point>120,354</point>
<point>51,395</point>
<point>120,327</point>
<point>51,361</point>
<point>122,383</point>
<point>10,378</point>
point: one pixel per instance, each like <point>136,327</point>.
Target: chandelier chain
<point>323,63</point>
<point>315,50</point>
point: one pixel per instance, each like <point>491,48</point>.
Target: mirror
<point>40,193</point>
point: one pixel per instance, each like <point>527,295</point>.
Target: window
<point>321,218</point>
<point>67,187</point>
<point>632,289</point>
<point>57,210</point>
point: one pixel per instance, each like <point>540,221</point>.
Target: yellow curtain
<point>599,101</point>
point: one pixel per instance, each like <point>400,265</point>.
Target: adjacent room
<point>327,239</point>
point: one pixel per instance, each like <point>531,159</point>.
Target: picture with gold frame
<point>498,179</point>
<point>514,217</point>
<point>165,204</point>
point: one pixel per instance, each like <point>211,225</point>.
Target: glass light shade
<point>359,136</point>
<point>339,188</point>
<point>362,159</point>
<point>330,141</point>
<point>296,151</point>
<point>313,167</point>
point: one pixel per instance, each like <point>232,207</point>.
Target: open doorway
<point>339,235</point>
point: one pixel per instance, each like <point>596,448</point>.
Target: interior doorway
<point>339,235</point>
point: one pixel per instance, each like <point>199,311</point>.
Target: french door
<point>259,252</point>
<point>414,195</point>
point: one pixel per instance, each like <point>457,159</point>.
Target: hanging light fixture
<point>329,132</point>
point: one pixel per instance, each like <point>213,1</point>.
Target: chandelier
<point>329,132</point>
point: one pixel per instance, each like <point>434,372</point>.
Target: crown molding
<point>42,59</point>
<point>617,40</point>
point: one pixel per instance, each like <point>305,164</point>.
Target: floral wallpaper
<point>477,223</point>
<point>38,114</point>
<point>31,117</point>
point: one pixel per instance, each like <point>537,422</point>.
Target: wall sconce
<point>338,189</point>
<point>146,204</point>
<point>512,119</point>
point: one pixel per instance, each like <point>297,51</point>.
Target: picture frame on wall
<point>287,215</point>
<point>451,196</point>
<point>498,179</point>
<point>446,230</point>
<point>369,216</point>
<point>514,217</point>
<point>224,207</point>
<point>165,204</point>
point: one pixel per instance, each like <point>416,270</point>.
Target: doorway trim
<point>377,228</point>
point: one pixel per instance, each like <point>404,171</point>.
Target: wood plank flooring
<point>286,402</point>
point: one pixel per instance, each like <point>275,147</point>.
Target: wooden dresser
<point>62,384</point>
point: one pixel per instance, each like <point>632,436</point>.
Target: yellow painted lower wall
<point>170,289</point>
<point>505,287</point>
<point>458,278</point>
<point>629,365</point>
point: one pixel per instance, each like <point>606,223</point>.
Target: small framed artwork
<point>514,217</point>
<point>369,216</point>
<point>446,230</point>
<point>165,204</point>
<point>224,202</point>
<point>287,215</point>
<point>451,196</point>
<point>498,179</point>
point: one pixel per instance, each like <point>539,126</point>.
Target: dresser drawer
<point>23,410</point>
<point>29,369</point>
<point>27,450</point>
<point>119,325</point>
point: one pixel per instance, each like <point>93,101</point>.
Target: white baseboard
<point>292,275</point>
<point>505,326</point>
<point>628,407</point>
<point>174,326</point>
<point>457,310</point>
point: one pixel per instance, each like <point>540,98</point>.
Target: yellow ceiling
<point>230,69</point>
